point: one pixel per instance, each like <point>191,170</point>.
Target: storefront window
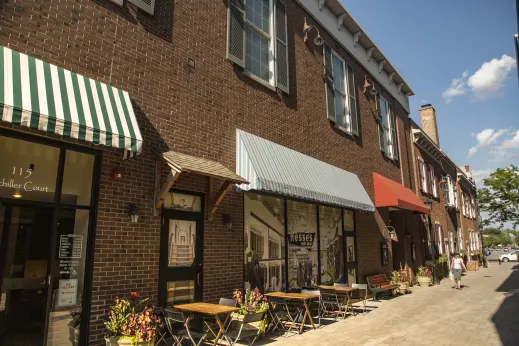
<point>351,249</point>
<point>332,245</point>
<point>264,243</point>
<point>28,170</point>
<point>302,245</point>
<point>77,178</point>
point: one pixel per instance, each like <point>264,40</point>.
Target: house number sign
<point>21,180</point>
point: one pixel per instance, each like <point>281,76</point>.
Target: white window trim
<point>422,177</point>
<point>270,36</point>
<point>433,181</point>
<point>391,123</point>
<point>347,106</point>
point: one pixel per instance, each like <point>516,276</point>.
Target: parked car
<point>487,252</point>
<point>505,249</point>
<point>512,256</point>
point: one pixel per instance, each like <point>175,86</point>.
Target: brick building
<point>214,94</point>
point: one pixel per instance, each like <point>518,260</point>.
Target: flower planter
<point>403,288</point>
<point>423,281</point>
<point>122,341</point>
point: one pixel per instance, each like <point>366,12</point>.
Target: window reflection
<point>77,178</point>
<point>264,243</point>
<point>302,249</point>
<point>332,246</point>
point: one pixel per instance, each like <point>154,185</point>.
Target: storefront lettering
<point>27,185</point>
<point>301,239</point>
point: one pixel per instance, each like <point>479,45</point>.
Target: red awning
<point>389,193</point>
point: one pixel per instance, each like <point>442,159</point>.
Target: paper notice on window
<point>67,293</point>
<point>3,298</point>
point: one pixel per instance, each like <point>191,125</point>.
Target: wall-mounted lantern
<point>134,212</point>
<point>384,251</point>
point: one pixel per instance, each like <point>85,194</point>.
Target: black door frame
<point>195,272</point>
<point>57,206</point>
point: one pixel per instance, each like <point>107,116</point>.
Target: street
<point>484,312</point>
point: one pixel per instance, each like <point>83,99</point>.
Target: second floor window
<point>257,40</point>
<point>387,129</point>
<point>341,100</point>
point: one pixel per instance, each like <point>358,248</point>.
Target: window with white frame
<point>432,182</point>
<point>387,129</point>
<point>460,241</point>
<point>472,208</point>
<point>257,40</point>
<point>422,171</point>
<point>447,190</point>
<point>440,238</point>
<point>341,101</point>
<point>455,195</point>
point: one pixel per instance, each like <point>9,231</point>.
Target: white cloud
<point>480,175</point>
<point>491,76</point>
<point>486,139</point>
<point>509,149</point>
<point>457,88</point>
<point>485,83</point>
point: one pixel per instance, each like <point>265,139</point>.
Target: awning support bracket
<point>161,191</point>
<point>216,199</point>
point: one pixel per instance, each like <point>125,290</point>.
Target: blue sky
<point>458,56</point>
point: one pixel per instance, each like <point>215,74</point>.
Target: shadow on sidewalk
<point>506,318</point>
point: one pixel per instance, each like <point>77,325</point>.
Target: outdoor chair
<point>331,303</point>
<point>315,306</point>
<point>244,329</point>
<point>210,321</point>
<point>283,312</point>
<point>163,332</point>
<point>178,327</point>
<point>360,295</point>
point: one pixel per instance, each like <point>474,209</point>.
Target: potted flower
<point>423,276</point>
<point>131,322</point>
<point>400,278</point>
<point>250,303</point>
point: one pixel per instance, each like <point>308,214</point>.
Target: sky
<point>460,57</point>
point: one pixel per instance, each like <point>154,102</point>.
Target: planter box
<point>472,266</point>
<point>116,341</point>
<point>423,281</point>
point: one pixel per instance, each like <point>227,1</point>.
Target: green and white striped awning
<point>48,98</point>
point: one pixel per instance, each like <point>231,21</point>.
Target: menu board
<point>70,246</point>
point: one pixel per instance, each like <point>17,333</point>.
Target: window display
<point>332,245</point>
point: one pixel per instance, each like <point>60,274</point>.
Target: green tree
<point>500,196</point>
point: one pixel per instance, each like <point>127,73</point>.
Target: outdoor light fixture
<point>134,212</point>
<point>17,194</point>
<point>227,221</point>
<point>318,40</point>
<point>369,83</point>
<point>384,252</point>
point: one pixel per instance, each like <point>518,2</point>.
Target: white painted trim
<point>328,20</point>
<point>381,67</point>
<point>356,38</point>
<point>369,52</point>
<point>391,76</point>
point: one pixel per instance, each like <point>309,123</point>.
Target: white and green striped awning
<point>48,98</point>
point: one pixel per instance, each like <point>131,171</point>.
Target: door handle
<point>49,278</point>
<point>198,279</point>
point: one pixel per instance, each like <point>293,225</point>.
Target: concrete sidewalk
<point>484,312</point>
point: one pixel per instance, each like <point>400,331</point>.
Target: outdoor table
<point>347,293</point>
<point>209,309</point>
<point>301,297</point>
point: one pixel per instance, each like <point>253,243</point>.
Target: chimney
<point>428,122</point>
<point>467,169</point>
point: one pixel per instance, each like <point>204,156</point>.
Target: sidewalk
<point>484,312</point>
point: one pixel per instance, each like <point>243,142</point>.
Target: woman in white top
<point>456,266</point>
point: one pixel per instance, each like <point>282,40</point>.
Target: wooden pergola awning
<point>180,163</point>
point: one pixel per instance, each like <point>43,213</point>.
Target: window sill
<point>259,80</point>
<point>343,129</point>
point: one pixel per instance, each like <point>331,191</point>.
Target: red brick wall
<point>195,111</point>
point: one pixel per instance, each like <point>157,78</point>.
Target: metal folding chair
<point>163,332</point>
<point>331,303</point>
<point>211,320</point>
<point>315,304</point>
<point>237,332</point>
<point>357,296</point>
<point>178,327</point>
<point>282,312</point>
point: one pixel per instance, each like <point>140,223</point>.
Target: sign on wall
<point>301,239</point>
<point>67,293</point>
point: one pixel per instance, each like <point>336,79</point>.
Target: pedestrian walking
<point>457,265</point>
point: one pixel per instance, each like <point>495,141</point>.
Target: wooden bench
<point>380,284</point>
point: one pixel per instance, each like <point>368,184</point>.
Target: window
<point>432,182</point>
<point>257,244</point>
<point>340,92</point>
<point>422,171</point>
<point>387,129</point>
<point>460,236</point>
<point>254,44</point>
<point>447,190</point>
<point>274,252</point>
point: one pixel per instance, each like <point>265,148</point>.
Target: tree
<point>500,196</point>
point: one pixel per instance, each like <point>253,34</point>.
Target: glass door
<point>181,257</point>
<point>25,255</point>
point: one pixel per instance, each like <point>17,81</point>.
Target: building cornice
<point>334,18</point>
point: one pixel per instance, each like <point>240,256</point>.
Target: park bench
<point>380,284</point>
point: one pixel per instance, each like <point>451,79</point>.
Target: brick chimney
<point>467,171</point>
<point>428,122</point>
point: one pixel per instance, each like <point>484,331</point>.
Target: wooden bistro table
<point>209,309</point>
<point>301,297</point>
<point>347,294</point>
